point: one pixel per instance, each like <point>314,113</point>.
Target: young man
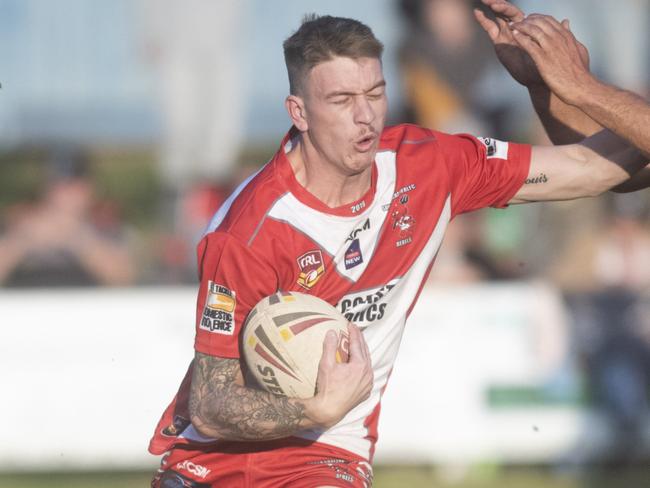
<point>369,206</point>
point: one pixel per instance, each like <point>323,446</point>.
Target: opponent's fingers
<point>584,54</point>
<point>528,44</point>
<point>550,25</point>
<point>507,10</point>
<point>531,30</point>
<point>488,25</point>
<point>505,34</point>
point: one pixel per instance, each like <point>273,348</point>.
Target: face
<point>342,112</point>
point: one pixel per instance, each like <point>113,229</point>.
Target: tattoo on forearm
<point>239,412</point>
<point>542,178</point>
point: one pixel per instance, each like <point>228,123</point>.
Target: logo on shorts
<point>312,267</point>
<point>219,311</point>
<point>193,468</point>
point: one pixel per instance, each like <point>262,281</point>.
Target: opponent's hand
<point>341,386</point>
<point>562,61</point>
<point>516,60</point>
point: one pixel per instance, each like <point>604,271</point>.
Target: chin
<point>362,164</point>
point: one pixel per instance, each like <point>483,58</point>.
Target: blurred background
<point>124,124</point>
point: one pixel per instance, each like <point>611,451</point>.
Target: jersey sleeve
<point>483,172</point>
<point>233,280</point>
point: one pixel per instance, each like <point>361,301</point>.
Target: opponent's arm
<point>587,169</point>
<point>222,407</point>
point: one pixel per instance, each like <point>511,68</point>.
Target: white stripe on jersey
<point>383,338</point>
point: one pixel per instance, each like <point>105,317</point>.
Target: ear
<point>295,106</point>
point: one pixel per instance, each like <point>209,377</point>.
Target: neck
<point>323,179</point>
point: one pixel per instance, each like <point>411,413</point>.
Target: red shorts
<point>287,463</point>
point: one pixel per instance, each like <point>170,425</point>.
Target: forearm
<point>221,407</point>
<point>623,112</point>
<point>610,159</point>
<point>563,123</point>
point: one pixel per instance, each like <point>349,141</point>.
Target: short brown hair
<point>321,38</point>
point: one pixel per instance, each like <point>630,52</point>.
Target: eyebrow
<point>346,93</point>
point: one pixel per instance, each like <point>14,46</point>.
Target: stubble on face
<point>345,107</point>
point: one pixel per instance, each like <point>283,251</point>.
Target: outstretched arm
<point>222,407</point>
<point>597,164</point>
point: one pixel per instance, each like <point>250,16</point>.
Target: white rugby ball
<point>283,341</point>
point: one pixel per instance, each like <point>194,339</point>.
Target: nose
<point>363,110</point>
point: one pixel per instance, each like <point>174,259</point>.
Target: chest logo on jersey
<point>367,306</point>
<point>311,267</point>
<point>399,193</point>
<point>219,311</point>
<point>353,255</point>
<point>402,221</point>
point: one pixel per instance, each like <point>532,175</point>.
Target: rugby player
<point>353,212</point>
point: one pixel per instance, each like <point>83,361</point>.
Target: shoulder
<point>396,136</point>
<point>248,205</point>
<point>416,140</point>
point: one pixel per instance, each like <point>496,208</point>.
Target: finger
<point>488,25</point>
<point>505,34</point>
<point>356,343</point>
<point>330,344</point>
<point>584,54</point>
<point>548,24</point>
<point>531,30</point>
<point>507,10</point>
<point>529,45</point>
<point>366,348</point>
<point>565,24</point>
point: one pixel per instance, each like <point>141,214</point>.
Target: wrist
<point>318,414</point>
<point>586,90</point>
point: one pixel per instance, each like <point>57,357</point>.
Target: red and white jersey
<point>369,258</point>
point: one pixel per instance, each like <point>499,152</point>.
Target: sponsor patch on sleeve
<point>219,312</point>
<point>495,148</point>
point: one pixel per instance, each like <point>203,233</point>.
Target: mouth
<point>365,143</point>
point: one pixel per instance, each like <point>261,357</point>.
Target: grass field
<point>385,477</point>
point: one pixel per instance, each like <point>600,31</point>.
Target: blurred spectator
<point>607,274</point>
<point>447,66</point>
<point>67,237</point>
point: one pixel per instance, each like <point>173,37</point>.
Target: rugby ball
<point>283,341</point>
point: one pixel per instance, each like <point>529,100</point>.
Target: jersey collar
<point>300,192</point>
